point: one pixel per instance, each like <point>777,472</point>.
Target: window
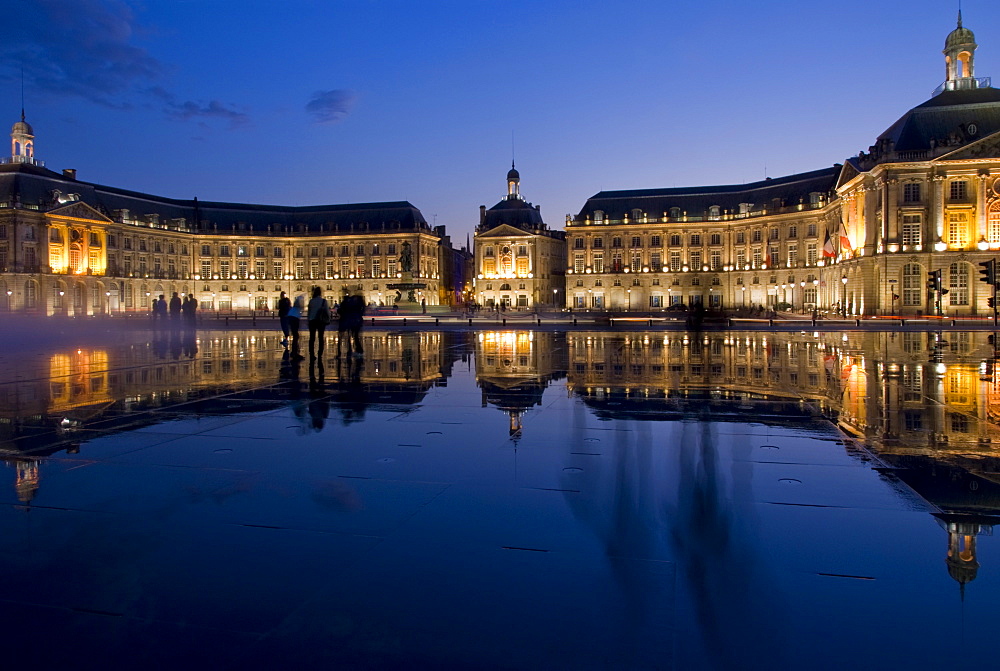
<point>616,242</point>
<point>756,236</point>
<point>958,190</point>
<point>993,222</point>
<point>757,257</point>
<point>713,213</point>
<point>911,192</point>
<point>811,230</point>
<point>636,262</point>
<point>696,240</point>
<point>911,229</point>
<point>715,239</point>
<point>695,260</point>
<point>598,263</point>
<point>578,263</point>
<point>598,243</point>
<point>655,241</point>
<point>224,250</point>
<point>277,253</point>
<point>636,241</point>
<point>716,263</point>
<point>522,250</point>
<point>793,255</point>
<point>958,283</point>
<point>675,213</point>
<point>489,251</point>
<point>793,232</point>
<point>656,262</point>
<point>598,216</point>
<point>224,269</point>
<point>811,254</point>
<point>912,285</point>
<point>359,250</point>
<point>675,261</point>
<point>260,270</point>
<point>741,259</point>
<point>774,234</point>
<point>741,238</point>
<point>675,240</point>
<point>958,229</point>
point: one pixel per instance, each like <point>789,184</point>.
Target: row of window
<point>316,270</point>
<point>696,239</point>
<point>373,249</point>
<point>958,191</point>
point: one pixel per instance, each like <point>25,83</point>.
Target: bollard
<point>857,322</point>
<point>437,321</point>
<point>504,321</point>
<point>373,322</point>
<point>770,322</point>
<point>902,322</point>
<point>470,321</point>
<point>539,321</point>
<point>227,322</point>
<point>650,323</point>
<point>814,323</point>
<point>574,321</point>
<point>953,322</point>
<point>404,321</point>
<point>730,322</point>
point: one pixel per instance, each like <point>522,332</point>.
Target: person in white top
<point>294,315</point>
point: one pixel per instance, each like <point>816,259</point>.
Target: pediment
<point>847,173</point>
<point>504,231</point>
<point>987,147</point>
<point>78,210</point>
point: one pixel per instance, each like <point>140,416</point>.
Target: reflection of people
<point>406,258</point>
<point>318,318</point>
<point>284,305</point>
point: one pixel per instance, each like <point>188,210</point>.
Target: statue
<point>406,258</point>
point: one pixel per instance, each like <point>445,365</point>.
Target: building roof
<point>34,185</point>
<point>513,212</point>
<point>695,201</point>
<point>945,120</point>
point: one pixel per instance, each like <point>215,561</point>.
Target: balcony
<point>27,160</point>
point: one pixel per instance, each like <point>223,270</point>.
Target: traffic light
<point>934,280</point>
<point>988,272</point>
<point>992,302</point>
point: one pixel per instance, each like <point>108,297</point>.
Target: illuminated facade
<point>69,247</point>
<point>519,260</point>
<point>925,197</point>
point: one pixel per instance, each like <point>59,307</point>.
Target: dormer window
<point>675,213</point>
<point>714,213</point>
<point>599,217</point>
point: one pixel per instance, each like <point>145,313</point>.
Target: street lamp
<point>107,294</point>
<point>250,301</point>
<point>743,292</point>
<point>843,303</point>
<point>629,292</point>
<point>802,295</point>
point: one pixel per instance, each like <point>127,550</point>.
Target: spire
<point>959,15</point>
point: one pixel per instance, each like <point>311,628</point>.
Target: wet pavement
<point>501,499</point>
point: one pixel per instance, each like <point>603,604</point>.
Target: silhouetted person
<point>318,318</point>
<point>294,317</point>
<point>189,308</point>
<point>160,308</point>
<point>284,305</point>
<point>352,315</point>
<point>175,307</point>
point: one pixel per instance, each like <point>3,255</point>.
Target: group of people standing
<point>318,315</point>
<point>178,308</point>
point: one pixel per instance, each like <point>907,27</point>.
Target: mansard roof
<point>695,201</point>
<point>944,120</point>
<point>33,185</point>
<point>513,212</point>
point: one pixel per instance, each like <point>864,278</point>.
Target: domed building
<point>920,207</point>
<point>519,260</point>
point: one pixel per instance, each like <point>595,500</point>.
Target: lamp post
<point>107,295</point>
<point>555,298</point>
<point>843,303</point>
<point>802,295</point>
<point>629,292</point>
<point>10,301</point>
<point>250,301</point>
<point>743,292</point>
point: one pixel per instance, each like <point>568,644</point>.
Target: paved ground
<point>277,524</point>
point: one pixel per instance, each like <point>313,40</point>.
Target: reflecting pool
<point>502,499</point>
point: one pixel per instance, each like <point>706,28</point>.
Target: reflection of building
<point>79,248</point>
<point>925,196</point>
<point>513,369</point>
<point>519,260</point>
<point>108,390</point>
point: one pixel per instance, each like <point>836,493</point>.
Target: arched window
<point>993,226</point>
<point>598,216</point>
<point>913,276</point>
<point>675,213</point>
<point>713,213</point>
<point>504,287</point>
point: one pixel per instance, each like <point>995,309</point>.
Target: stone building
<point>858,239</point>
<point>519,260</point>
<point>77,248</point>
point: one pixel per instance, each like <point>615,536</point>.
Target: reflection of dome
<point>961,571</point>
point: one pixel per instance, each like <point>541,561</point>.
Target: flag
<point>845,242</point>
<point>828,250</point>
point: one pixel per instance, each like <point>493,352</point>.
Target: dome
<point>22,127</point>
<point>513,174</point>
<point>960,36</point>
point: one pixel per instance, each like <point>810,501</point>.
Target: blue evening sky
<point>319,102</point>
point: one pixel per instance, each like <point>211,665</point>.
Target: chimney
<point>482,215</point>
<point>69,172</point>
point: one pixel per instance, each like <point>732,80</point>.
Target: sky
<point>307,103</point>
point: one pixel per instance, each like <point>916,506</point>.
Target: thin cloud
<point>327,107</point>
<point>85,49</point>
